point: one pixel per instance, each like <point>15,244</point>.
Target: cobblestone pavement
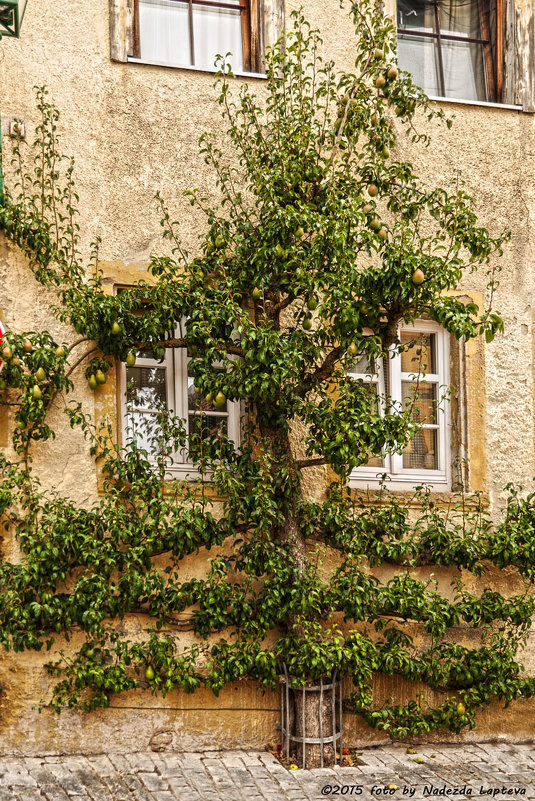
<point>479,771</point>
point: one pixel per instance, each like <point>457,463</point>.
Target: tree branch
<point>235,350</point>
<point>301,463</point>
<point>322,372</point>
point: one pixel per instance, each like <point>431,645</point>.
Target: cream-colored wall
<point>133,130</point>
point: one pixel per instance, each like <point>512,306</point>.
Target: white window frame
<point>175,363</point>
<point>397,476</point>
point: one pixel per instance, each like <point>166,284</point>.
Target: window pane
<point>145,388</point>
<point>362,365</point>
<point>422,452</point>
<point>460,18</point>
<point>423,399</point>
<point>419,56</point>
<point>373,461</point>
<point>420,353</point>
<point>146,430</point>
<point>164,31</point>
<point>198,403</point>
<point>416,14</point>
<point>464,70</point>
<point>217,31</point>
<point>207,427</point>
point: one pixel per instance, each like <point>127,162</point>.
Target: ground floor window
<point>418,376</point>
<point>151,387</point>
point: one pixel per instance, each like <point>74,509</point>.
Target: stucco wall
<point>133,130</point>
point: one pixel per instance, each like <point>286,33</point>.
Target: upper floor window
<point>453,48</point>
<point>419,377</point>
<point>192,33</point>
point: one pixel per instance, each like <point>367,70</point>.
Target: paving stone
<point>153,781</point>
<point>118,788</point>
<point>120,763</point>
<point>18,779</point>
<point>137,790</point>
<point>54,794</point>
<point>257,776</point>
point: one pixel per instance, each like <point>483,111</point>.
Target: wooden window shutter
<point>271,27</point>
<point>519,55</point>
<point>123,39</point>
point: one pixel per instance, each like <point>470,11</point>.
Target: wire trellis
<point>332,686</point>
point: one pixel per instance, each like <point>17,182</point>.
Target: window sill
<point>442,497</point>
<point>182,480</point>
<point>482,103</point>
<point>397,484</point>
<point>258,75</point>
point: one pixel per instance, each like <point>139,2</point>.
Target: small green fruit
<point>299,233</point>
<point>220,399</point>
<point>7,353</point>
<point>16,361</point>
<point>399,111</point>
<point>392,73</point>
<point>375,224</point>
<point>352,349</point>
<point>101,377</point>
<point>90,652</point>
<point>418,277</point>
<point>461,709</point>
<point>208,398</point>
<point>256,293</point>
<point>373,191</point>
<point>385,152</point>
<point>382,233</point>
<point>60,353</point>
<point>378,53</point>
<point>36,392</point>
<point>27,345</point>
<point>131,359</point>
<point>219,241</point>
<point>312,303</point>
<point>21,425</point>
<point>149,673</point>
<point>279,251</point>
<point>116,329</point>
<point>92,382</point>
<point>3,384</point>
<point>374,119</point>
<point>40,374</point>
<point>380,81</point>
<point>367,208</point>
<point>307,324</point>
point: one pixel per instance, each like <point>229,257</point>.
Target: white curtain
<point>464,71</point>
<point>165,39</point>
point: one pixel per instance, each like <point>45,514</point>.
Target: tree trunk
<point>310,713</point>
<point>315,721</point>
